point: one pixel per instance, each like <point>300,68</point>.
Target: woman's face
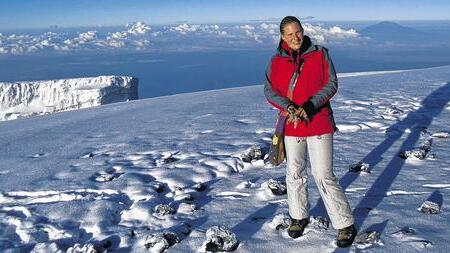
<point>293,35</point>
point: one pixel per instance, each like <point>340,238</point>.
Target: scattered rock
<point>429,207</point>
<point>161,241</point>
<point>421,152</point>
<point>87,155</point>
<point>166,158</point>
<point>392,110</point>
<point>220,238</point>
<point>281,221</point>
<point>319,222</point>
<point>425,244</point>
<point>426,144</point>
<point>368,239</point>
<point>82,248</point>
<point>158,187</point>
<point>360,167</point>
<point>253,154</point>
<point>200,187</point>
<point>277,187</point>
<point>108,175</point>
<point>163,209</point>
<point>416,154</point>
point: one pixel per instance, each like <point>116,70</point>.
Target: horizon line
<point>307,20</point>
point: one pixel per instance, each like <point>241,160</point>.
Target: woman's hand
<point>296,114</point>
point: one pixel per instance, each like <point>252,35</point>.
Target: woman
<point>300,82</point>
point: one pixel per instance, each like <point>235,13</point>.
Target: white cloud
<point>156,34</point>
<point>138,28</point>
<point>269,26</point>
<point>140,36</point>
<point>17,49</point>
<point>223,33</point>
<point>327,35</point>
<point>141,44</point>
<point>88,36</point>
<point>115,43</point>
<point>185,28</point>
<point>117,35</point>
<point>198,30</point>
<point>247,27</point>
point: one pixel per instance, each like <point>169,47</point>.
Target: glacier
<point>27,98</point>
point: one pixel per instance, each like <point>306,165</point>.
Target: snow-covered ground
<point>22,99</point>
<point>120,176</point>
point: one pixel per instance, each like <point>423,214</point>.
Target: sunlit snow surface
<point>97,177</point>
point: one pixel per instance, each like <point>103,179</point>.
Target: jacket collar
<point>285,51</point>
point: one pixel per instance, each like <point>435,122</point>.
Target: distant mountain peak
<point>388,23</point>
<point>389,28</point>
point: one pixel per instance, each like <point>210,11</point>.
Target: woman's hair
<point>288,20</point>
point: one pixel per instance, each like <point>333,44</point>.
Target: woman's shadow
<point>416,121</point>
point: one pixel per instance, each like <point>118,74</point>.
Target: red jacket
<point>311,89</point>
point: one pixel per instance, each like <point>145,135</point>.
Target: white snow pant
<point>320,151</point>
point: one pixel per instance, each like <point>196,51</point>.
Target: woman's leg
<point>296,177</point>
<point>320,151</point>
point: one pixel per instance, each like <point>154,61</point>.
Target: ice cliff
<point>26,98</point>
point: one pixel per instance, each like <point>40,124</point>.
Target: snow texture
<point>92,179</point>
<point>21,99</point>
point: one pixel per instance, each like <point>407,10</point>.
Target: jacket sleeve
<point>273,96</point>
<point>315,102</point>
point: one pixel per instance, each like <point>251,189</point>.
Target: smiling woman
<point>300,82</point>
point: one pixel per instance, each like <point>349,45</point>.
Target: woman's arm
<point>315,102</point>
<point>274,96</point>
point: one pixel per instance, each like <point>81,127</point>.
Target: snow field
<point>126,177</point>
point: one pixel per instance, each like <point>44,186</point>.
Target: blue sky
<point>43,13</point>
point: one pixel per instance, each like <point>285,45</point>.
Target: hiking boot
<point>297,227</point>
<point>346,236</point>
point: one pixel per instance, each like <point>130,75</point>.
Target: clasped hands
<point>296,114</point>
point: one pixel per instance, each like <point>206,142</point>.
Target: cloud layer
<point>140,36</point>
